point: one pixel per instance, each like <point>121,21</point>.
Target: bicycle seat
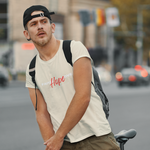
<point>126,134</point>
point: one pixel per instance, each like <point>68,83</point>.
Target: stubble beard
<point>42,42</point>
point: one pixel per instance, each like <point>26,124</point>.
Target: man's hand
<point>54,143</point>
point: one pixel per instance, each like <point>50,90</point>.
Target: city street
<point>129,109</point>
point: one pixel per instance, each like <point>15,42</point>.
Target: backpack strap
<point>96,78</point>
<point>68,56</point>
<point>32,74</point>
<point>67,51</point>
<point>32,69</point>
<point>97,84</point>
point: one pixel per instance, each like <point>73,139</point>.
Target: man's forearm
<point>45,126</point>
<point>74,113</point>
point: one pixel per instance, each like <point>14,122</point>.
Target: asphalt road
<point>129,108</point>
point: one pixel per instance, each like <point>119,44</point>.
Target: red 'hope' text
<point>55,82</point>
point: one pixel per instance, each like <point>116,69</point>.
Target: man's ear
<point>26,34</point>
<point>53,27</point>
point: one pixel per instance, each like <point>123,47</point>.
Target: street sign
<point>112,17</point>
<point>85,17</point>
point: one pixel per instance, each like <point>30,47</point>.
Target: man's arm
<point>82,74</point>
<point>42,115</point>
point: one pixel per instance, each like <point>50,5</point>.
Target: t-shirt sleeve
<point>78,50</point>
<point>29,83</point>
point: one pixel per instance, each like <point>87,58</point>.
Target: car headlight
<point>119,76</point>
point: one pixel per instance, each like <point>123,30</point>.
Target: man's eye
<point>44,21</point>
<point>32,24</point>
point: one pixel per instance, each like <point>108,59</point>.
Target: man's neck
<point>48,51</point>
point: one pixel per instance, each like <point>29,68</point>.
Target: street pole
<point>112,20</point>
<point>139,42</point>
<point>110,48</point>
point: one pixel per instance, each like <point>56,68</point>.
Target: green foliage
<point>128,19</point>
<point>1,33</point>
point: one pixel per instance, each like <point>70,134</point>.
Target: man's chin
<point>41,42</point>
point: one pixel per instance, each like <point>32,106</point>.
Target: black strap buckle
<point>41,14</point>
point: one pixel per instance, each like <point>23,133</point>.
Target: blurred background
<point>117,36</point>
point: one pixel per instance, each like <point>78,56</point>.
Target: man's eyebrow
<point>34,21</point>
<point>43,19</point>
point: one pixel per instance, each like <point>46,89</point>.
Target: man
<point>69,112</point>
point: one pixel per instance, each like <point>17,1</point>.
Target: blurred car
<point>13,73</point>
<point>148,70</point>
<point>144,73</point>
<point>4,76</point>
<point>104,74</point>
<point>128,76</point>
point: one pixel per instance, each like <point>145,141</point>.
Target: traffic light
<point>100,17</point>
<point>85,17</point>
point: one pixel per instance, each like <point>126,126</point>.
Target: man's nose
<point>40,26</point>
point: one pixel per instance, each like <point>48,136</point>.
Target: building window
<point>3,21</point>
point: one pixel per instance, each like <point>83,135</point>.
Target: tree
<point>126,33</point>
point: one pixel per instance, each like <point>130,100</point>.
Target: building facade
<point>67,20</point>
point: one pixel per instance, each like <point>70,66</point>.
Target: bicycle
<point>123,136</point>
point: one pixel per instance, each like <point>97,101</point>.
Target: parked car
<point>4,76</point>
<point>128,76</point>
<point>13,73</point>
<point>144,74</point>
<point>148,70</point>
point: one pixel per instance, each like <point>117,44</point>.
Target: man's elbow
<point>40,117</point>
<point>86,99</point>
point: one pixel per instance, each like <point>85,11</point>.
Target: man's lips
<point>41,34</point>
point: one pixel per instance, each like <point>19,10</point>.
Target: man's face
<point>39,30</point>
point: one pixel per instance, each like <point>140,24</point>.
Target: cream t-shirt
<point>54,79</point>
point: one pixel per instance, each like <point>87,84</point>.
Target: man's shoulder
<point>76,44</point>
